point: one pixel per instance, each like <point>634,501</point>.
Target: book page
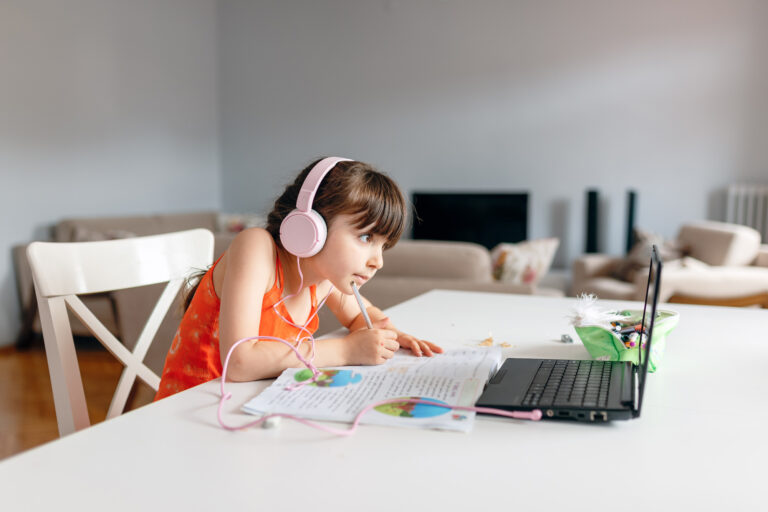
<point>456,377</point>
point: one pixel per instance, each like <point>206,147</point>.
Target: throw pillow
<point>524,262</point>
<point>638,257</point>
<point>236,222</point>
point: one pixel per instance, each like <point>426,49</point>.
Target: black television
<point>486,218</point>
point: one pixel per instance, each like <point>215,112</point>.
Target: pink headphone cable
<point>526,415</point>
<point>310,337</point>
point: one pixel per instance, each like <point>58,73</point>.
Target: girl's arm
<point>347,311</point>
<point>249,274</point>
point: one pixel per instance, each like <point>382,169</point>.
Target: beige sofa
<point>724,265</point>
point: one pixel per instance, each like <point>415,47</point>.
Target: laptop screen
<point>652,292</point>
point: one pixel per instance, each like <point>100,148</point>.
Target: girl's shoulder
<point>252,250</point>
<point>258,236</point>
<point>253,244</point>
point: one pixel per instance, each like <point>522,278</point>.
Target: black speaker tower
<point>592,199</point>
<point>631,197</point>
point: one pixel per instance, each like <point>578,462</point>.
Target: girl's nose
<point>377,259</point>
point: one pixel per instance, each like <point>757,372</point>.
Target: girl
<point>258,287</point>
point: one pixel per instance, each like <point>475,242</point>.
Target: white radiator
<point>748,205</point>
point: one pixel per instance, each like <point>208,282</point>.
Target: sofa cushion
<point>593,265</point>
<point>719,243</point>
<point>437,259</point>
<point>83,234</point>
<point>714,282</point>
<point>103,228</point>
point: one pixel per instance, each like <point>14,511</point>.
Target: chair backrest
<point>62,271</point>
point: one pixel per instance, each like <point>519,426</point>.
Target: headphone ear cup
<point>303,234</point>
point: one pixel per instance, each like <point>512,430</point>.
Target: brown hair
<point>352,188</point>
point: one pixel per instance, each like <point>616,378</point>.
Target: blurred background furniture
<point>64,271</point>
<point>721,264</point>
<point>413,267</point>
<point>410,268</point>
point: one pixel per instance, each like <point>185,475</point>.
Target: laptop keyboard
<point>561,383</point>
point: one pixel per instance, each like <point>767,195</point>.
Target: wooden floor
<point>27,414</point>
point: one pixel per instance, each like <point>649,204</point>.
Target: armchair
<point>725,265</point>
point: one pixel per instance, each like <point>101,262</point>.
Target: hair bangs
<point>380,208</point>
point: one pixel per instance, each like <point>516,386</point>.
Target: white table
<point>700,442</point>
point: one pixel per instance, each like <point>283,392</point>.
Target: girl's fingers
<point>391,346</point>
<point>433,347</point>
<point>430,348</point>
<point>410,343</point>
<point>420,346</point>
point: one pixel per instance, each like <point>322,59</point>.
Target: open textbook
<point>456,377</point>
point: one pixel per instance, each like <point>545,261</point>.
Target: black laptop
<point>584,390</point>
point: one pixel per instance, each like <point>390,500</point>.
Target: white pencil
<point>362,306</point>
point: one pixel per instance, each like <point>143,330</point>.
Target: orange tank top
<point>194,354</point>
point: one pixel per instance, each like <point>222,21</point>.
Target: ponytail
<point>191,283</point>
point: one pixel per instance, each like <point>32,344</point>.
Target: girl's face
<point>349,254</point>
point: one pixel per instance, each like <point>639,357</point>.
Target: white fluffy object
<point>586,312</point>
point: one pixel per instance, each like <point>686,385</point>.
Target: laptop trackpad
<point>507,388</point>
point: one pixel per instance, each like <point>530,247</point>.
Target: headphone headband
<point>312,181</point>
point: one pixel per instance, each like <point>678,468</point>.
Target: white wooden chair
<point>62,271</point>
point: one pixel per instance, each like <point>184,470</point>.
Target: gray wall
<point>551,97</point>
<point>107,107</point>
<point>111,108</point>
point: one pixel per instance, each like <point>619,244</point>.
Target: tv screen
<point>484,218</point>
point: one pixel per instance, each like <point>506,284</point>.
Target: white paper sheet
<point>456,377</point>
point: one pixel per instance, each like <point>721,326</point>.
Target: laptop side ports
<point>598,416</point>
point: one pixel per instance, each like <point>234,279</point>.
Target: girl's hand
<point>418,347</point>
<point>371,346</point>
<point>381,321</point>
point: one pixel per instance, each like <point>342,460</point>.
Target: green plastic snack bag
<point>607,345</point>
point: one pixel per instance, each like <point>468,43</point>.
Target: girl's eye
<point>365,238</point>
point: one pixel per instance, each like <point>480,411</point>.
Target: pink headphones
<point>303,231</point>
